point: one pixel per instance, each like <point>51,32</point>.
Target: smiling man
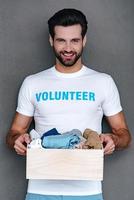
<point>68,96</point>
<point>68,49</point>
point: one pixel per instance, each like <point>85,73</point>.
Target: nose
<point>68,47</point>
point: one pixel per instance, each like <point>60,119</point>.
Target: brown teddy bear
<point>92,140</point>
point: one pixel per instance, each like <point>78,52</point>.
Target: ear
<point>51,40</point>
<point>84,40</point>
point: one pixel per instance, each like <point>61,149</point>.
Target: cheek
<point>78,48</point>
<point>58,47</point>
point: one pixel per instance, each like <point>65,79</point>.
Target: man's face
<point>68,44</point>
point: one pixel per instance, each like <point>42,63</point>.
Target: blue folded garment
<point>50,132</point>
<point>66,140</point>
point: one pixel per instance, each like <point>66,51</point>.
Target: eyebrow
<point>76,39</point>
<point>62,39</point>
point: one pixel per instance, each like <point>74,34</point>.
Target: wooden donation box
<point>64,164</point>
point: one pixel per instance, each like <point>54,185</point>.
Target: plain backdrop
<point>24,50</point>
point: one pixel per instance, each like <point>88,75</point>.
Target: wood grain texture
<point>64,164</point>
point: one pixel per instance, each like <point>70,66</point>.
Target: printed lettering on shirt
<point>65,95</point>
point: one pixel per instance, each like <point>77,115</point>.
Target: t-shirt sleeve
<point>25,105</point>
<point>111,104</point>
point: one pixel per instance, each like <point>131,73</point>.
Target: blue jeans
<point>31,196</point>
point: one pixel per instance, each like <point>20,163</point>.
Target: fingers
<point>108,142</point>
<point>110,150</point>
<point>19,150</point>
<point>20,142</point>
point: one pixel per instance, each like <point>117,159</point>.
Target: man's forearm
<point>122,138</point>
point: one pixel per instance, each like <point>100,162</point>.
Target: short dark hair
<point>67,17</point>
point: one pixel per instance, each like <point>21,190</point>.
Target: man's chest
<point>67,97</point>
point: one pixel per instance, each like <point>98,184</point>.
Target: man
<point>68,95</point>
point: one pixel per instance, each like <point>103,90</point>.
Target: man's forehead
<point>62,31</point>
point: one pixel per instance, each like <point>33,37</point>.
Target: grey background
<point>24,49</point>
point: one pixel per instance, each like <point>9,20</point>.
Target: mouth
<point>68,55</point>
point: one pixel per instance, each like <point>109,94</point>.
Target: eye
<point>75,40</point>
<point>60,40</point>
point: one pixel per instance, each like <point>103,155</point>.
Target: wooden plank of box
<point>64,164</point>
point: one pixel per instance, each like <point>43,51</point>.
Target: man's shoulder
<point>97,74</point>
<point>40,75</point>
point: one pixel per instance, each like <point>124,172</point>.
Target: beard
<point>68,59</point>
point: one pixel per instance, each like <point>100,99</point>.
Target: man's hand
<point>108,143</point>
<point>21,143</point>
<point>17,137</point>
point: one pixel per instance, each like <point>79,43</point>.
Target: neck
<point>68,69</point>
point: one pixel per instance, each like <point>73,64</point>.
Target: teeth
<point>66,54</point>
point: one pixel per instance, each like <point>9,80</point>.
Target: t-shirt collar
<point>69,75</point>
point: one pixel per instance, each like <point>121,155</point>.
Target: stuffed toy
<point>92,140</point>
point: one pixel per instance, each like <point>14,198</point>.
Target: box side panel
<point>64,164</point>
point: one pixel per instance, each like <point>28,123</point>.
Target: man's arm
<point>17,136</point>
<point>120,137</point>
